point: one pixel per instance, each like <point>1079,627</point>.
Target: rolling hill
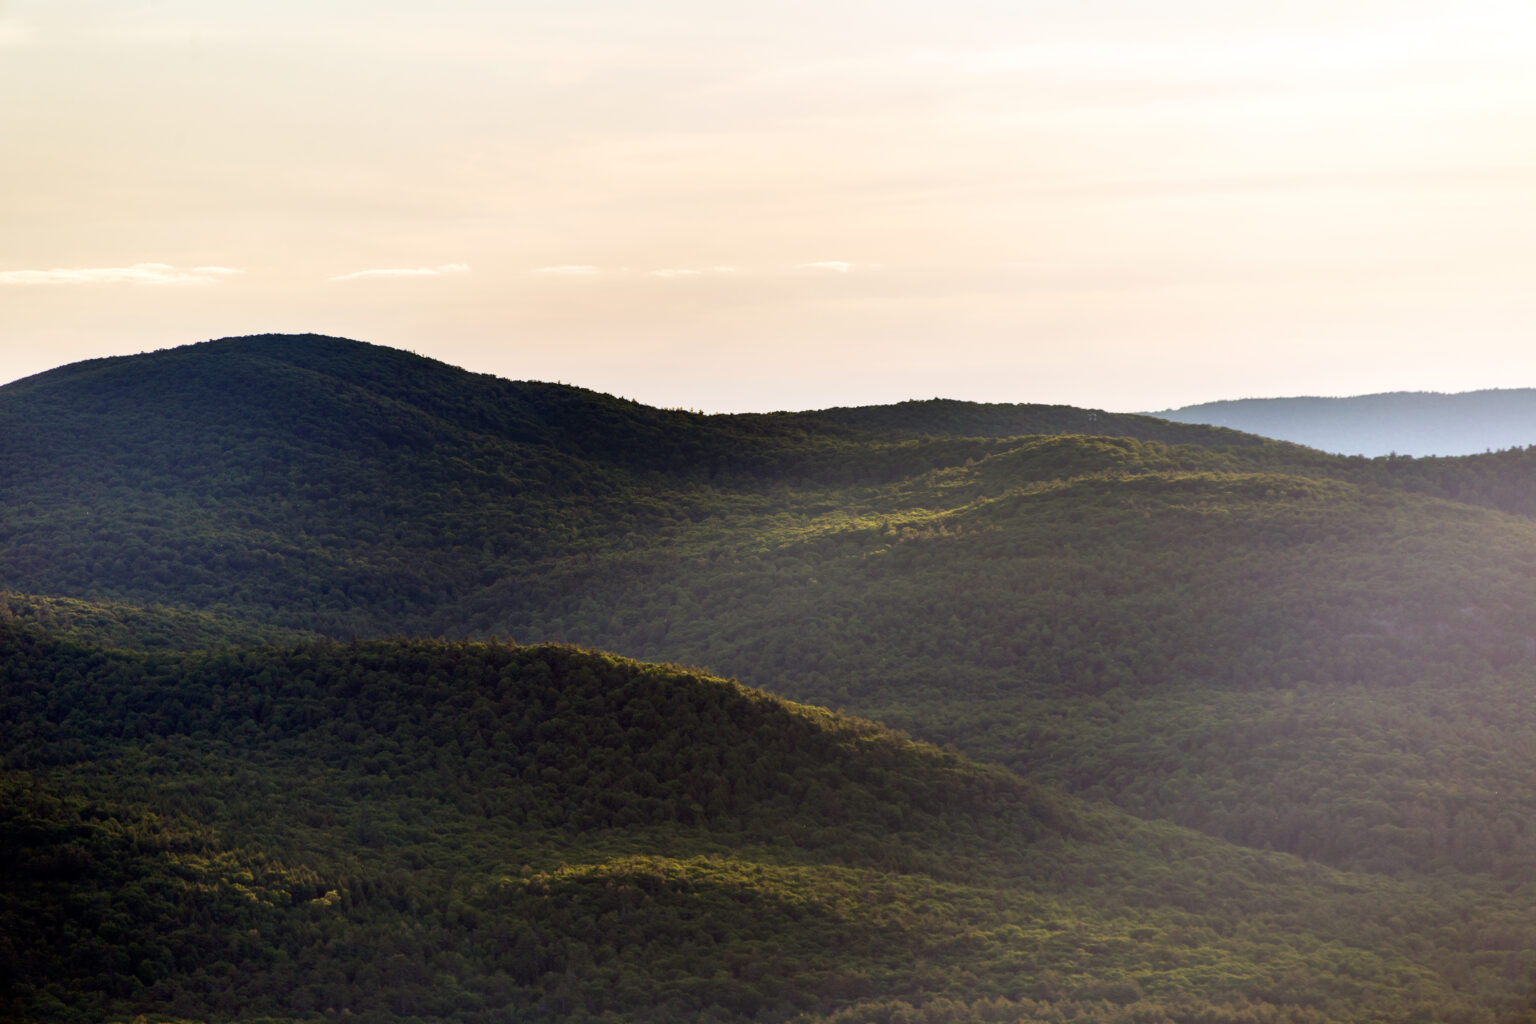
<point>336,486</point>
<point>480,832</point>
<point>1321,665</point>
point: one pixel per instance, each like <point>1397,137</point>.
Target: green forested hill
<point>480,832</point>
<point>1302,664</point>
<point>119,624</point>
<point>1321,656</point>
<point>1038,600</point>
<point>323,484</point>
<point>949,418</point>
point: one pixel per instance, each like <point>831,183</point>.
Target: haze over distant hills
<point>1417,423</point>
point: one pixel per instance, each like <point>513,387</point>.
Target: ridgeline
<point>1301,682</point>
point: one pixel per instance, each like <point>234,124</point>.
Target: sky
<point>726,206</point>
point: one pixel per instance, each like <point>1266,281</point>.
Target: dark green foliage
<point>545,737</point>
<point>477,832</point>
<point>330,485</point>
<point>1328,657</point>
<point>1098,631</point>
<point>948,418</point>
<point>118,624</point>
<point>105,906</point>
<point>1504,480</point>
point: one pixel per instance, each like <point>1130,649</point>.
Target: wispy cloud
<point>437,271</point>
<point>572,269</point>
<point>838,266</point>
<point>689,271</point>
<point>139,273</point>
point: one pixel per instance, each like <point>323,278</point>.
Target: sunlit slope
<point>1095,613</point>
<point>1288,649</point>
<point>327,484</point>
<point>1100,581</point>
<point>120,624</point>
<point>469,832</point>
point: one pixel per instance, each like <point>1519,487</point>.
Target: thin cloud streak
<point>138,273</point>
<point>437,271</point>
<point>689,271</point>
<point>593,270</point>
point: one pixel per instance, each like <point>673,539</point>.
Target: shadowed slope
<point>400,830</point>
<point>348,488</point>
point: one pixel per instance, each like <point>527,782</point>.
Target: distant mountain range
<point>1415,423</point>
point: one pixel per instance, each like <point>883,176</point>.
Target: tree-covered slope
<point>333,485</point>
<point>1096,613</point>
<point>120,624</point>
<point>421,830</point>
<point>312,482</point>
<point>1059,602</point>
<point>1328,657</point>
<point>939,417</point>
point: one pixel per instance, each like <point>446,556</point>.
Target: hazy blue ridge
<point>1417,423</point>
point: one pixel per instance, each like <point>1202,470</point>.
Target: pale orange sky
<point>727,206</point>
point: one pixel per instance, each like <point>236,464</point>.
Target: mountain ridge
<point>1320,663</point>
<point>1414,423</point>
<point>239,433</point>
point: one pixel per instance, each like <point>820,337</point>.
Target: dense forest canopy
<point>1300,681</point>
<point>474,831</point>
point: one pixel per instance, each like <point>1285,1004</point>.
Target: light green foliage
<point>461,831</point>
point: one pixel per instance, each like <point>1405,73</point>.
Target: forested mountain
<point>1329,658</point>
<point>333,485</point>
<point>1400,422</point>
<point>479,832</point>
